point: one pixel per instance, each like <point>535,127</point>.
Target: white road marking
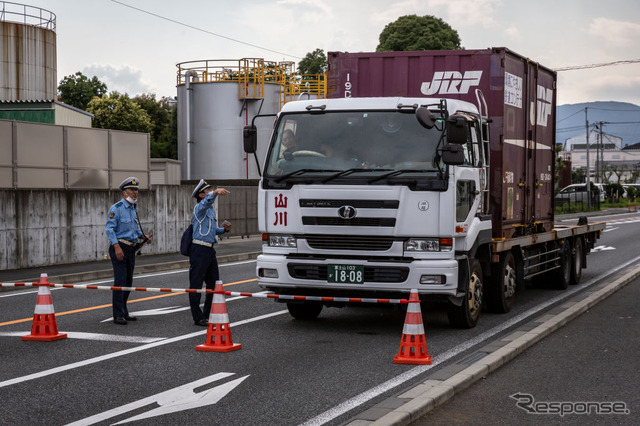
<point>601,248</point>
<point>95,336</point>
<point>358,400</point>
<point>97,359</point>
<point>177,399</point>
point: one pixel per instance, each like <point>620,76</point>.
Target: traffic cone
<point>218,331</point>
<point>44,327</point>
<point>413,347</point>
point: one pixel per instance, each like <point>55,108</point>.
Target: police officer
<point>202,257</point>
<point>123,231</point>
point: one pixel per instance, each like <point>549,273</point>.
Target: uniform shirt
<point>205,227</point>
<point>122,222</point>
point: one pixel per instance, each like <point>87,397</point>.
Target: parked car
<point>577,194</point>
<point>636,186</point>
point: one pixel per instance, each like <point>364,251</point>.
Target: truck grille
<point>375,274</point>
<point>358,221</point>
<point>333,242</point>
<point>358,204</point>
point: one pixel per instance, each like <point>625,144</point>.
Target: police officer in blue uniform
<point>124,232</point>
<point>202,256</point>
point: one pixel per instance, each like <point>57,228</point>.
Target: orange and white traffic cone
<point>413,346</point>
<point>44,327</point>
<point>218,331</point>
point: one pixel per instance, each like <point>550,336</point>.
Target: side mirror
<point>250,139</point>
<point>457,129</point>
<point>426,118</point>
<point>453,155</point>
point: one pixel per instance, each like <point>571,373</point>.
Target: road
<point>288,372</point>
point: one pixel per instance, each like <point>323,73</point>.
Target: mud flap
<point>463,280</point>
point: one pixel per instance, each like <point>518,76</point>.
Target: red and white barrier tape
<point>227,293</point>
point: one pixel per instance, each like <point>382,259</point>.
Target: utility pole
<point>588,168</point>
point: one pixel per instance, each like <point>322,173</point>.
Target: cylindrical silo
<point>28,69</point>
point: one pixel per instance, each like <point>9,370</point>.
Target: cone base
<point>399,359</point>
<point>213,348</point>
<point>45,338</point>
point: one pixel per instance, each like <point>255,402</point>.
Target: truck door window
<point>465,196</point>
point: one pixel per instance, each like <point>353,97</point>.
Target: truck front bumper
<point>280,272</point>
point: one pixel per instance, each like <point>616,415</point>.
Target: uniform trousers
<point>122,277</point>
<point>203,267</point>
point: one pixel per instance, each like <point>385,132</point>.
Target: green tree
<point>78,90</point>
<point>313,63</point>
<point>119,112</point>
<point>163,142</point>
<point>412,32</point>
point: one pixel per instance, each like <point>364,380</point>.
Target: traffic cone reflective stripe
<point>218,331</point>
<point>413,346</point>
<point>44,327</point>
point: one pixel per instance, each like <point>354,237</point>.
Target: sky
<point>136,52</point>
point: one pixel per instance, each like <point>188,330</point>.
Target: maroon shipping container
<point>521,101</point>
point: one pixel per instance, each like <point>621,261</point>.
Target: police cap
<point>201,186</point>
<point>130,182</point>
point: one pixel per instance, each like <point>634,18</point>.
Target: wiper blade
<point>300,172</point>
<point>350,171</point>
<point>399,172</point>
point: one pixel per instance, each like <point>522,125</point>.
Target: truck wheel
<point>576,264</point>
<point>466,315</point>
<point>500,295</point>
<point>562,275</point>
<point>305,311</point>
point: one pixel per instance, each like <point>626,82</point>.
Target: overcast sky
<point>135,52</point>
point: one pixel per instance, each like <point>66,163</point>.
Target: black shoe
<point>120,320</point>
<point>128,318</point>
<point>202,322</point>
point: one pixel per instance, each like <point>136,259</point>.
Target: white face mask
<point>131,200</point>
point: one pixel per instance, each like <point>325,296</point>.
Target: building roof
<point>45,101</point>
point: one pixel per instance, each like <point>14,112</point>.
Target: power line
<point>204,31</point>
<point>604,64</point>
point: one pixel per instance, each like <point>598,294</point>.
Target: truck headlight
<point>428,244</point>
<point>282,240</point>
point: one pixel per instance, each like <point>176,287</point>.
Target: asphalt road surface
<point>288,372</point>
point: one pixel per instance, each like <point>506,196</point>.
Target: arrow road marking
<point>601,248</point>
<point>177,399</point>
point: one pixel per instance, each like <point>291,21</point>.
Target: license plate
<point>345,274</point>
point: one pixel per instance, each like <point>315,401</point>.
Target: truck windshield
<point>336,147</point>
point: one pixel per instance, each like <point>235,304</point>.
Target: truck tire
<point>562,275</point>
<point>500,295</point>
<point>305,311</point>
<point>466,315</point>
<point>576,262</point>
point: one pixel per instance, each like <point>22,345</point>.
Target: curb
<point>414,403</point>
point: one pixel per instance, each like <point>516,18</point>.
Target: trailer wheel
<point>576,264</point>
<point>501,294</point>
<point>562,275</point>
<point>466,315</point>
<point>305,311</point>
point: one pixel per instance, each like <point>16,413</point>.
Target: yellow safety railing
<point>252,73</point>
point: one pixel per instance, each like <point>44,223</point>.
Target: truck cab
<point>374,197</point>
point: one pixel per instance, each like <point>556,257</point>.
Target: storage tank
<point>217,98</point>
<point>28,69</point>
<point>521,101</point>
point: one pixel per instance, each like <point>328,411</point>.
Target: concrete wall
<point>46,227</point>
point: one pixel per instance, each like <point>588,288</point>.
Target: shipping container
<point>521,101</point>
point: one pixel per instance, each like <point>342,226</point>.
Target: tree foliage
<point>163,132</point>
<point>313,63</point>
<point>78,90</point>
<point>412,32</point>
<point>119,112</point>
